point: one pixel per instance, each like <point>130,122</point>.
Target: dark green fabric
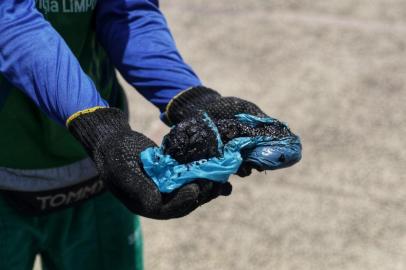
<point>28,138</point>
<point>100,234</point>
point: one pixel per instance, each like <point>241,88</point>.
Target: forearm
<point>35,58</point>
<point>137,39</point>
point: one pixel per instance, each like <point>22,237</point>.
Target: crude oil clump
<point>193,139</point>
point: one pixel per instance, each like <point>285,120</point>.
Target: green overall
<point>98,234</point>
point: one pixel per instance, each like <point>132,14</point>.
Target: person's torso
<point>29,140</point>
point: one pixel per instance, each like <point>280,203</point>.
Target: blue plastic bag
<point>267,153</point>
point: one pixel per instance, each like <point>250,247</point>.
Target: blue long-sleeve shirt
<point>35,58</point>
<point>137,38</point>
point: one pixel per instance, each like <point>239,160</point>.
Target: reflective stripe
<point>47,179</point>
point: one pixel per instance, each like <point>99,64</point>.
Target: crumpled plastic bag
<point>266,152</point>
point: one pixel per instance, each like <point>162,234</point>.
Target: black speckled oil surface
<point>193,139</point>
<point>231,128</point>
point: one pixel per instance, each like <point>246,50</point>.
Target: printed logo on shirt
<point>66,6</point>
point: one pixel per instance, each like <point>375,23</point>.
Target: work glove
<point>222,110</point>
<point>115,148</point>
<point>189,102</point>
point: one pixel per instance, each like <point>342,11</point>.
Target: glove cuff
<point>92,129</point>
<point>185,104</point>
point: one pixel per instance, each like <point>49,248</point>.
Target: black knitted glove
<point>115,148</point>
<point>190,103</point>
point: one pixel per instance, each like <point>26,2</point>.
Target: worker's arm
<point>137,39</point>
<point>35,58</point>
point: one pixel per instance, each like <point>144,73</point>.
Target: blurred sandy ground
<point>336,72</point>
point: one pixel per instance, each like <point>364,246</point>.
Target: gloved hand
<point>222,110</point>
<point>115,148</point>
<point>189,102</point>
